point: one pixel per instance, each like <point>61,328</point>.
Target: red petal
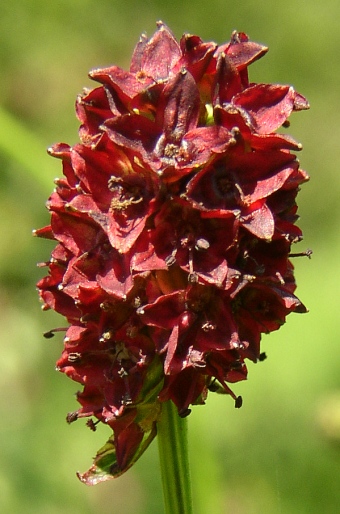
<point>244,53</point>
<point>165,311</point>
<point>116,277</point>
<point>160,54</point>
<point>136,60</point>
<point>178,107</point>
<point>124,83</point>
<point>260,223</point>
<point>124,229</point>
<point>77,235</point>
<point>274,142</point>
<point>45,232</point>
<point>269,105</point>
<point>227,80</point>
<point>203,142</point>
<point>196,55</point>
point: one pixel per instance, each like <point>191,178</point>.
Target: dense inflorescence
<point>174,223</point>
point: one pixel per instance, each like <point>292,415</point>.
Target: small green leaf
<point>147,411</point>
<point>105,465</point>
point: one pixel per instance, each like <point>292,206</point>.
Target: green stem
<point>174,460</point>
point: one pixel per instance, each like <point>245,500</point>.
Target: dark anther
<point>91,424</point>
<point>184,413</point>
<point>307,253</point>
<point>235,38</point>
<point>213,386</point>
<point>170,260</point>
<point>50,333</point>
<point>193,278</point>
<point>262,356</point>
<point>74,357</point>
<point>72,416</point>
<point>238,402</point>
<point>202,244</point>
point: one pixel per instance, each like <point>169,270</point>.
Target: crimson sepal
<point>269,105</point>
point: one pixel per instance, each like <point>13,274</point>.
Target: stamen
<point>193,278</point>
<point>170,260</point>
<point>74,357</point>
<point>106,336</point>
<point>72,416</point>
<point>127,196</point>
<point>92,424</point>
<point>208,326</point>
<point>307,253</point>
<point>214,386</point>
<point>280,278</point>
<point>50,333</point>
<point>112,183</point>
<point>202,244</point>
<point>122,373</point>
<point>238,402</point>
<point>184,413</point>
<point>106,306</point>
<point>126,398</point>
<point>43,264</point>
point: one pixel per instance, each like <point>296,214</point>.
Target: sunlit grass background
<point>280,453</point>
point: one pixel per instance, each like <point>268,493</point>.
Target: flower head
<point>174,224</point>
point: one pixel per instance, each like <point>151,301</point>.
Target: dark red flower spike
<point>174,224</point>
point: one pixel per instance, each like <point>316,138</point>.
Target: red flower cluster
<point>174,225</point>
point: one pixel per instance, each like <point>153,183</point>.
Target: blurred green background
<point>280,453</point>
